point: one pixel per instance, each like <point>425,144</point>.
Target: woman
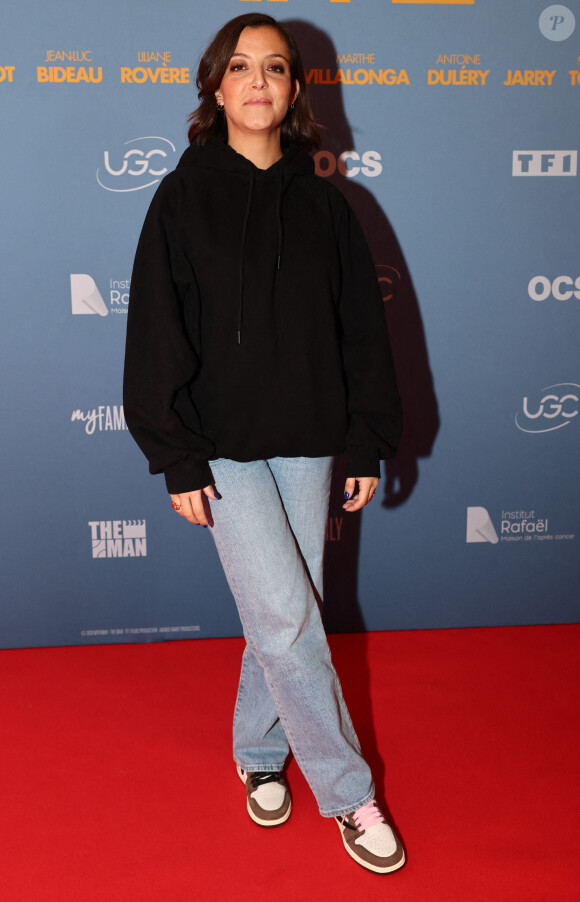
<point>256,350</point>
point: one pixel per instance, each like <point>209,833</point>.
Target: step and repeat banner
<point>453,130</point>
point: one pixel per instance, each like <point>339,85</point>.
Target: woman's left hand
<point>367,486</point>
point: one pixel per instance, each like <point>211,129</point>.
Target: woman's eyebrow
<point>268,56</point>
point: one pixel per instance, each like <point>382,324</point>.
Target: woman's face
<point>256,89</point>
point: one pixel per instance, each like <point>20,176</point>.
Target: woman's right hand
<point>191,504</point>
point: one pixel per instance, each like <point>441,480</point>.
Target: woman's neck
<point>262,150</point>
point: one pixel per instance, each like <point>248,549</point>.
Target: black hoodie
<point>256,328</point>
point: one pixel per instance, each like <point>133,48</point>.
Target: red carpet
<point>118,782</point>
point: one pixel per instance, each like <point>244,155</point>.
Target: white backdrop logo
<point>118,538</point>
<point>544,162</point>
<point>556,408</point>
<point>515,526</point>
<point>479,526</point>
<point>85,296</point>
<point>104,418</point>
<point>349,163</point>
<point>142,164</point>
<point>557,22</point>
<point>562,288</point>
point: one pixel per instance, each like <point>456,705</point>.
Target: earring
<point>291,107</point>
<point>219,105</point>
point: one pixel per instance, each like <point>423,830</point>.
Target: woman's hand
<point>367,486</point>
<point>191,504</point>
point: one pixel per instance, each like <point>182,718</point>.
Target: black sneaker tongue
<point>259,779</point>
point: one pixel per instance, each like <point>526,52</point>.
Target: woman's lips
<point>257,102</point>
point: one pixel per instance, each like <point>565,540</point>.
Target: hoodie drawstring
<point>279,218</point>
<point>244,232</point>
<point>280,239</point>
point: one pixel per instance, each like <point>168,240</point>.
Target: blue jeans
<point>269,532</point>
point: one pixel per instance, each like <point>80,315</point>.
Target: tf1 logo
<point>544,162</point>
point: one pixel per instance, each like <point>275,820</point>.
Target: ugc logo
<point>140,166</point>
<point>552,411</point>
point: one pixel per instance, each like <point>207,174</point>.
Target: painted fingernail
<point>204,526</point>
<point>346,495</point>
<point>217,496</point>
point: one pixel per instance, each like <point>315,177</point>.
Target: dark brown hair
<point>206,121</point>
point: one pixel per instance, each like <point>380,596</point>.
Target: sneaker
<point>370,841</point>
<point>268,797</point>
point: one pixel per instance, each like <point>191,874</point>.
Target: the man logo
<point>479,526</point>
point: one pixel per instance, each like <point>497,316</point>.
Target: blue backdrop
<point>453,129</point>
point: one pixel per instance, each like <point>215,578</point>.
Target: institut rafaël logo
<point>104,418</point>
<point>552,408</point>
<point>557,22</point>
<point>562,288</point>
<point>118,538</point>
<point>139,163</point>
<point>86,297</point>
<point>513,526</point>
<point>544,162</point>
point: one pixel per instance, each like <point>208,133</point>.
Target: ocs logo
<point>552,411</point>
<point>389,279</point>
<point>349,163</point>
<point>141,166</point>
<point>562,288</point>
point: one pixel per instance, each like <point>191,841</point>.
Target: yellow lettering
<point>7,73</point>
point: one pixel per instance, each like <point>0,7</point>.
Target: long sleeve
<point>374,405</point>
<point>160,360</point>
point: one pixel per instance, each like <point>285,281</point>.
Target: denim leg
<point>258,733</point>
<point>260,743</point>
<point>282,624</point>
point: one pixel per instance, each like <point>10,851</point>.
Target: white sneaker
<point>268,798</point>
<point>370,841</point>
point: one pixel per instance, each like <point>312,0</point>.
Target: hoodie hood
<point>218,156</point>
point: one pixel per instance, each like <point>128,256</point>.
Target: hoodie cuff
<point>362,462</point>
<point>188,475</point>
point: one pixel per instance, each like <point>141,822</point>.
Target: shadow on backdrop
<point>421,416</point>
<point>342,612</point>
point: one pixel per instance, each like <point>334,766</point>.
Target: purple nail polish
<point>346,495</point>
